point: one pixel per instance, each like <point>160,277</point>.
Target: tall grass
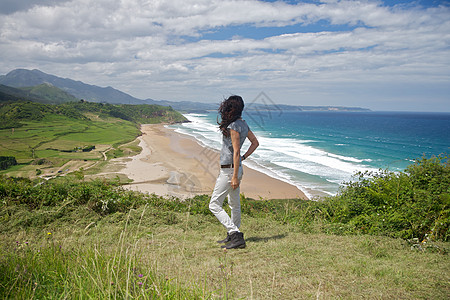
<point>46,268</point>
<point>73,238</point>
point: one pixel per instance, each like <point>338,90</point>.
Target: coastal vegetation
<point>384,235</point>
<point>410,204</point>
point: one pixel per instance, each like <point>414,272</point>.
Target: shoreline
<point>175,164</point>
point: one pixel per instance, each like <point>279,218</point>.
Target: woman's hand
<point>234,182</point>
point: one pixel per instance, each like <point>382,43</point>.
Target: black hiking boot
<point>236,241</point>
<point>225,240</point>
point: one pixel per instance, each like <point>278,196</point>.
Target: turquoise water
<point>318,151</point>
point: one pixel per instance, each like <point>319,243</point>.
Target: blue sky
<point>382,55</point>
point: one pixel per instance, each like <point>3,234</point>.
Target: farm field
<point>55,144</point>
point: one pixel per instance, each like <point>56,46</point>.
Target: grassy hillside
<point>10,94</point>
<point>77,239</point>
<point>50,93</point>
<point>13,113</point>
<point>139,114</point>
<point>43,93</point>
<point>51,139</point>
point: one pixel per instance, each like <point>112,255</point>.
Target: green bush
<point>7,161</point>
<point>7,123</point>
<point>410,204</point>
<point>103,197</point>
<point>414,203</point>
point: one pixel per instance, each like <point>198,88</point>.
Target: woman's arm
<point>252,138</point>
<point>236,157</point>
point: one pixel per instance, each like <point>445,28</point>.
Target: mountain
<point>49,93</point>
<point>284,107</point>
<point>25,78</point>
<point>187,106</point>
<point>43,93</point>
<point>10,94</point>
<point>21,78</point>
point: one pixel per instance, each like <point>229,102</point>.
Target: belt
<point>227,166</point>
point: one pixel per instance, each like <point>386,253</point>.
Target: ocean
<point>318,151</point>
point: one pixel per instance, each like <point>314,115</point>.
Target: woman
<point>234,132</point>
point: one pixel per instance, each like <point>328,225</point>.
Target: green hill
<point>43,93</point>
<point>46,139</point>
<point>139,114</point>
<point>49,94</point>
<point>13,114</point>
<point>10,94</point>
<point>31,103</point>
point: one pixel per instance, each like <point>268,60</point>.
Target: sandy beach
<point>173,164</point>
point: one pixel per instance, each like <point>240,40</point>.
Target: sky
<point>381,55</point>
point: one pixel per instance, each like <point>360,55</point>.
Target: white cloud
<point>156,49</point>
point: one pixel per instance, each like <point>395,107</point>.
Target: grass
<point>55,135</point>
<point>172,245</point>
<point>282,263</point>
<point>62,133</point>
<point>57,269</point>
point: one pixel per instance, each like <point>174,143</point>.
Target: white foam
<point>284,157</point>
<point>294,149</point>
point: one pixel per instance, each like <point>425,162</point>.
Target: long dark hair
<point>230,110</point>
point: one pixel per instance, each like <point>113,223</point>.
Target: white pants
<point>221,190</point>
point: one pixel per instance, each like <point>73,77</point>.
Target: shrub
<point>414,203</point>
<point>7,161</point>
<point>410,204</point>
